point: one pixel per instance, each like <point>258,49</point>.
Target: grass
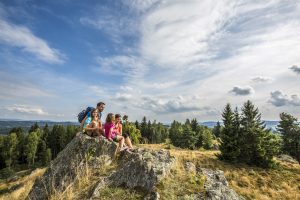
<point>251,182</point>
<point>20,188</point>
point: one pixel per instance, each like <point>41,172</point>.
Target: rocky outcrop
<point>71,163</point>
<point>216,186</point>
<point>141,169</point>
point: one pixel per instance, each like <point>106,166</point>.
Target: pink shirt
<point>107,127</point>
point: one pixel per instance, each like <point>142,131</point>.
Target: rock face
<point>141,169</point>
<point>71,162</point>
<point>216,186</point>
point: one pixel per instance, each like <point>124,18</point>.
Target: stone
<point>216,186</point>
<point>190,167</point>
<point>287,158</point>
<point>70,163</point>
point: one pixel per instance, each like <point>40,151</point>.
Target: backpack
<point>83,113</point>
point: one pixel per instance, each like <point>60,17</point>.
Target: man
<point>100,107</point>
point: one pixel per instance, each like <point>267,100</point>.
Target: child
<point>110,132</point>
<point>118,129</point>
<point>93,125</point>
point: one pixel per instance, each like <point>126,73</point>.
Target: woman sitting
<point>118,129</point>
<point>110,132</point>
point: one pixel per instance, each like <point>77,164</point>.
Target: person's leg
<point>127,140</point>
<point>120,139</point>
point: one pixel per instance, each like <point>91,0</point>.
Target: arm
<point>82,122</point>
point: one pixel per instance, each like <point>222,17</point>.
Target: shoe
<point>123,148</point>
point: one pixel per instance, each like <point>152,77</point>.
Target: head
<point>118,118</point>
<point>100,106</point>
<point>94,114</point>
<point>110,118</point>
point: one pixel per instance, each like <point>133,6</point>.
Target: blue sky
<point>163,59</point>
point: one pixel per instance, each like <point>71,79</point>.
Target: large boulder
<point>71,162</point>
<point>142,168</point>
<point>216,186</point>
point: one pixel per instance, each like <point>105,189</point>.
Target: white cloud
<point>24,109</point>
<point>279,99</point>
<point>262,79</point>
<point>123,96</point>
<point>22,37</point>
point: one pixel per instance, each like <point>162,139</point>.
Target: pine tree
<point>34,127</point>
<point>194,124</point>
<point>290,131</point>
<point>137,125</point>
<point>258,145</point>
<point>46,157</point>
<point>229,148</point>
<point>144,127</point>
<point>217,130</point>
<point>149,132</point>
<point>187,122</point>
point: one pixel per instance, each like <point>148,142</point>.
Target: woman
<point>118,129</point>
<point>110,132</point>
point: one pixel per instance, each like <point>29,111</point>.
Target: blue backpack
<point>83,113</point>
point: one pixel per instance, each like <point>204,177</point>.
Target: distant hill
<point>269,124</point>
<point>7,125</point>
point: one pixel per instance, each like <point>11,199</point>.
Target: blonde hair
<point>110,118</point>
<point>92,113</point>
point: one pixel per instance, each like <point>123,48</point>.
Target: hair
<point>110,118</point>
<point>92,113</point>
<point>117,116</point>
<point>100,103</point>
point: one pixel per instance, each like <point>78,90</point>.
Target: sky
<point>163,59</point>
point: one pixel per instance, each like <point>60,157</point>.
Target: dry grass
<point>251,182</point>
<point>22,186</point>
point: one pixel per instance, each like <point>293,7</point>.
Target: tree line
<point>35,148</point>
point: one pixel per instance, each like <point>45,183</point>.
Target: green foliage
<point>34,148</point>
<point>190,135</point>
<point>244,137</point>
<point>217,130</point>
<point>32,140</point>
<point>290,131</point>
<point>132,131</point>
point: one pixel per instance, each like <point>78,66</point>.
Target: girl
<point>110,132</point>
<point>93,125</point>
<point>118,129</point>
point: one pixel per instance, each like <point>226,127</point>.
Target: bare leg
<point>120,140</point>
<point>128,142</point>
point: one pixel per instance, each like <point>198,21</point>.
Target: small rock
<point>152,196</point>
<point>190,167</point>
<point>287,158</point>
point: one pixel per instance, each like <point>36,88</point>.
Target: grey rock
<point>216,186</point>
<point>71,163</point>
<point>287,158</point>
<point>190,167</point>
<point>142,168</point>
<point>152,196</point>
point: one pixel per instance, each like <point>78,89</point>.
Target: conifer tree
<point>258,145</point>
<point>34,127</point>
<point>194,124</point>
<point>228,139</point>
<point>144,127</point>
<point>217,130</point>
<point>290,131</point>
<point>10,149</point>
